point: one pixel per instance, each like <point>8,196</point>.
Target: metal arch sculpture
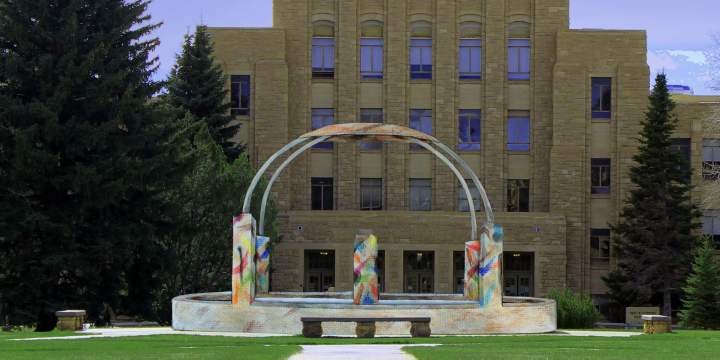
<point>378,133</point>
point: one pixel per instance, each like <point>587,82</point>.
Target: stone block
<point>243,270</point>
<point>365,270</point>
<point>70,320</point>
<point>491,249</point>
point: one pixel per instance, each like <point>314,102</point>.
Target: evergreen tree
<point>199,256</point>
<point>197,86</point>
<point>654,239</point>
<point>81,156</point>
<point>702,303</point>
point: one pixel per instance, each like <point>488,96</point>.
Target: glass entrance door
<point>319,282</point>
<point>518,284</point>
<point>518,272</point>
<point>319,270</point>
<point>418,268</point>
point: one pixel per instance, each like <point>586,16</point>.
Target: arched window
<point>371,50</point>
<point>421,50</point>
<point>323,49</point>
<point>519,51</point>
<point>470,50</point>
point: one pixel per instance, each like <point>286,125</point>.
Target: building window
<point>600,244</point>
<point>470,59</point>
<point>518,134</point>
<point>601,93</point>
<point>380,266</point>
<point>469,130</point>
<point>371,58</point>
<point>371,116</point>
<point>463,200</point>
<point>323,57</point>
<point>711,159</point>
<point>420,120</point>
<point>519,51</point>
<point>420,194</point>
<point>370,194</point>
<point>420,58</point>
<point>518,193</point>
<point>711,225</point>
<point>322,118</point>
<point>322,193</point>
<point>600,176</point>
<point>683,146</point>
<point>240,94</point>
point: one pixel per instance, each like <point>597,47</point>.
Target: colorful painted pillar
<point>472,267</point>
<point>262,265</point>
<point>491,240</point>
<point>243,270</point>
<point>366,273</point>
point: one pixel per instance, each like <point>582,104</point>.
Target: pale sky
<point>677,30</point>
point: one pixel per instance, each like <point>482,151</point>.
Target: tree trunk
<point>667,305</point>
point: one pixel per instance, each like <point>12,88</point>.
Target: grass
<point>680,344</point>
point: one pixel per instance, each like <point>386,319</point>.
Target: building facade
<point>547,117</point>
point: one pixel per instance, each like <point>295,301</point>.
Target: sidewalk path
<point>354,352</point>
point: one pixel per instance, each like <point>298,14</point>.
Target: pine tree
<point>654,238</point>
<point>702,303</point>
<point>82,154</point>
<point>197,85</point>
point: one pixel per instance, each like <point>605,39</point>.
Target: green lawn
<point>681,344</point>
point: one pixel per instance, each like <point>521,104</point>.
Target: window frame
<point>422,189</point>
<point>710,159</point>
<point>372,45</point>
<point>469,45</point>
<point>597,93</point>
<point>518,188</point>
<point>323,43</point>
<point>371,185</point>
<point>598,185</point>
<point>323,115</point>
<point>462,197</point>
<point>518,142</point>
<point>323,185</point>
<point>598,238</point>
<point>424,71</point>
<point>466,119</point>
<point>424,119</point>
<point>516,49</point>
<point>236,87</point>
<point>712,218</point>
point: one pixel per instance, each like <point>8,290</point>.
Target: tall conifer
<point>654,238</point>
<point>197,85</point>
<point>81,154</point>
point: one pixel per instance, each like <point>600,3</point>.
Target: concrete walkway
<point>354,352</point>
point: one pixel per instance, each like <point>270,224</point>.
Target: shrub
<point>702,294</point>
<point>573,311</point>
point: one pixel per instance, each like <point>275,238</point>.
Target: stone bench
<point>657,324</point>
<point>312,326</point>
<point>70,320</point>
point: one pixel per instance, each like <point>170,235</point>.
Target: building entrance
<point>419,267</point>
<point>518,271</point>
<point>319,270</point>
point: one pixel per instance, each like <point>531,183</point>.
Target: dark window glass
<point>420,59</point>
<point>419,260</point>
<point>601,98</point>
<point>469,130</point>
<point>322,118</point>
<point>321,259</point>
<point>240,94</point>
<point>371,116</point>
<point>370,194</point>
<point>518,134</point>
<point>371,58</point>
<point>470,59</point>
<point>518,193</point>
<point>463,200</point>
<point>711,225</point>
<point>323,57</point>
<point>420,194</point>
<point>518,262</point>
<point>322,193</point>
<point>420,120</point>
<point>380,265</point>
<point>683,147</point>
<point>600,244</point>
<point>600,176</point>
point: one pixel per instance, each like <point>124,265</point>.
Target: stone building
<point>547,117</point>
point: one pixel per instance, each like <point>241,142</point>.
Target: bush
<point>574,312</point>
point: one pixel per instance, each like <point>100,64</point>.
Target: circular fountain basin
<point>280,313</point>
